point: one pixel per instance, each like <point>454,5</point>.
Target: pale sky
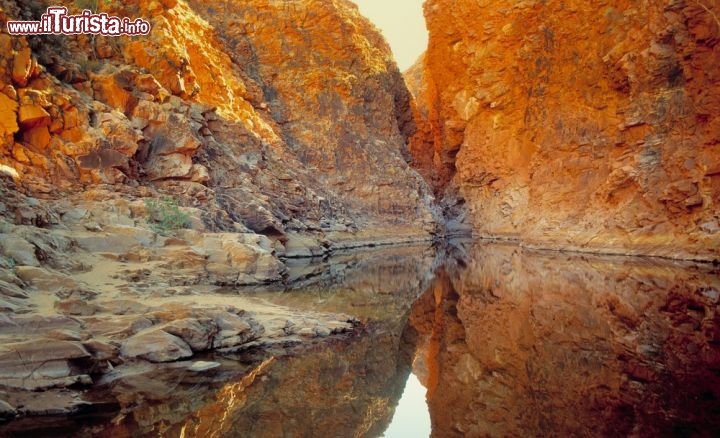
<point>402,24</point>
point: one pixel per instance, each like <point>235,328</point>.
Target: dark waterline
<point>505,342</point>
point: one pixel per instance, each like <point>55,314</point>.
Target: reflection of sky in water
<point>411,418</point>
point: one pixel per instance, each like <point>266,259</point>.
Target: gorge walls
<point>268,116</point>
<point>576,125</point>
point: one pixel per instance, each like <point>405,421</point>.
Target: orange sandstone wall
<point>281,116</point>
<point>581,125</point>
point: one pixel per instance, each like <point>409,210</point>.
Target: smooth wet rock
<point>155,346</point>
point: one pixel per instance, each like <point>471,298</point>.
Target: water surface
<point>473,339</point>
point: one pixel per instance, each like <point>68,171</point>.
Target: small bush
<point>164,215</point>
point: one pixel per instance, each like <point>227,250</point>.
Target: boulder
<point>22,67</point>
<point>169,166</point>
<point>33,115</point>
<point>8,115</point>
<point>40,359</point>
<point>18,249</point>
<point>155,345</point>
<point>299,245</point>
<point>196,333</point>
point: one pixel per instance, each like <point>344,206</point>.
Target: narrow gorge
<point>254,188</point>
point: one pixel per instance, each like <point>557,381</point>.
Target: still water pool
<point>471,339</point>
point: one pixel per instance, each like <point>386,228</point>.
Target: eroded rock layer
<point>577,125</point>
<point>232,139</point>
<point>271,116</point>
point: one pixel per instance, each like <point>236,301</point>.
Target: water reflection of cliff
<point>343,387</point>
<point>351,388</point>
<point>508,342</point>
<point>520,343</point>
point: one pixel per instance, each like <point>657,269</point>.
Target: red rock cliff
<point>578,125</point>
<point>274,116</point>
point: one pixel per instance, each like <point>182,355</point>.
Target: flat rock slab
<point>39,351</point>
<point>155,345</point>
<point>27,325</point>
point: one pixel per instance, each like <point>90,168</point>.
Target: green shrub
<point>164,215</point>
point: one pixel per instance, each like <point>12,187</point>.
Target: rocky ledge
<point>100,292</point>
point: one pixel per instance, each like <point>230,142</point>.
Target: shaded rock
<point>175,137</point>
<point>28,325</point>
<point>125,307</point>
<point>10,290</point>
<point>82,294</point>
<point>196,333</point>
<point>102,158</point>
<point>18,249</point>
<point>9,305</point>
<point>43,363</point>
<point>233,330</point>
<point>156,346</point>
<point>102,351</point>
<point>6,410</point>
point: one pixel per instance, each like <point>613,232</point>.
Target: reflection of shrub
<point>164,215</point>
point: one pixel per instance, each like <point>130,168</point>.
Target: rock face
<point>303,130</point>
<point>139,175</point>
<point>580,126</point>
<point>524,343</point>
